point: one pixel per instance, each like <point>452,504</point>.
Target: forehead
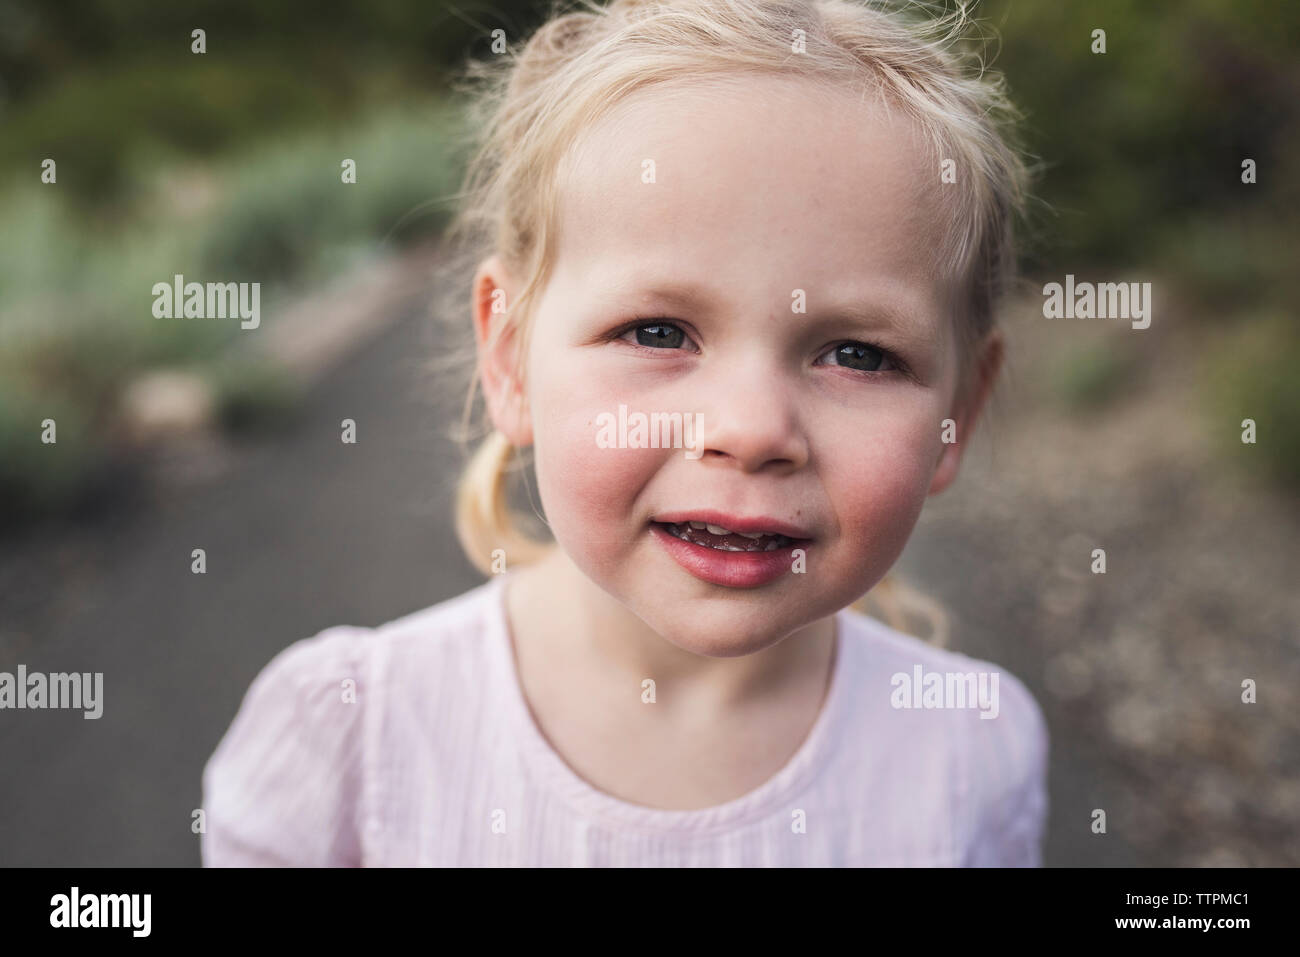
<point>754,183</point>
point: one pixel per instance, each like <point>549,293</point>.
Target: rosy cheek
<point>589,492</point>
<point>880,487</point>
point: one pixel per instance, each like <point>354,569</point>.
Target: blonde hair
<point>530,105</point>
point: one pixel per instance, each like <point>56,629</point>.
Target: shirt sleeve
<point>283,787</point>
<point>1012,766</point>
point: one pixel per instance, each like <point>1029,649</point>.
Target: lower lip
<point>732,569</point>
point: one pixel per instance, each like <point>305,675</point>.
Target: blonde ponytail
<point>906,609</point>
<point>484,522</point>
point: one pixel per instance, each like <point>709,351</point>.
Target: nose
<point>751,421</point>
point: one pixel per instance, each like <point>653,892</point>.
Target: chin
<point>723,633</point>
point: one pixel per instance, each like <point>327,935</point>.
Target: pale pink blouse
<point>412,744</point>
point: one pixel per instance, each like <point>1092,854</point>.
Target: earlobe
<point>968,413</point>
<point>508,410</point>
<point>507,407</point>
<point>946,470</point>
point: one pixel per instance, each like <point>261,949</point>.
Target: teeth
<point>719,530</point>
<point>683,530</point>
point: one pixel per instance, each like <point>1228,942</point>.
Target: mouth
<point>744,553</point>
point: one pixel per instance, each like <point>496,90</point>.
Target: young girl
<point>739,262</point>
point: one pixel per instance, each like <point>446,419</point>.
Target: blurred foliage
<point>1141,147</point>
<point>1092,376</point>
<point>203,108</point>
<point>253,396</point>
<point>36,477</point>
<point>330,43</point>
<point>277,219</point>
<point>1259,382</point>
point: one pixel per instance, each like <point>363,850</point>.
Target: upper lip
<point>734,523</point>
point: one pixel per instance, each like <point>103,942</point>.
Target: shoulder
<point>1005,771</point>
<point>289,782</point>
<point>314,680</point>
<point>280,786</point>
<point>313,674</point>
<point>441,636</point>
<point>922,676</point>
<point>981,719</point>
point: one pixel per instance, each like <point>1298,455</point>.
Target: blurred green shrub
<point>286,203</point>
<point>1141,146</point>
<point>38,479</point>
<point>96,125</point>
<point>1092,376</point>
<point>253,396</point>
<point>1254,377</point>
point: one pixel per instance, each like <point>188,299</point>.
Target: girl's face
<point>758,258</point>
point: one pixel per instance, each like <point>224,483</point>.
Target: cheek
<point>588,492</point>
<point>877,484</point>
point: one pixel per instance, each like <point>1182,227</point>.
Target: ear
<point>499,364</point>
<point>967,413</point>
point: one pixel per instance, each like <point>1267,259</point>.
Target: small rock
<point>167,403</point>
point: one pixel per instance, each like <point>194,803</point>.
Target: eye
<point>656,335</point>
<point>862,357</point>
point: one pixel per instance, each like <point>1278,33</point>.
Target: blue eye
<point>658,335</point>
<point>861,357</point>
<point>856,355</point>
